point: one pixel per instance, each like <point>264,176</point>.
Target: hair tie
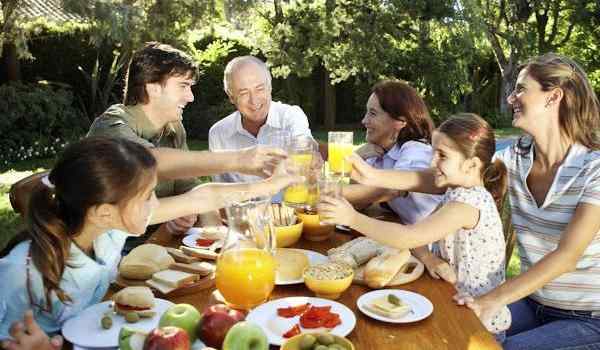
<point>46,181</point>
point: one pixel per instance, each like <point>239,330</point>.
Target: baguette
<point>199,253</point>
<point>381,269</point>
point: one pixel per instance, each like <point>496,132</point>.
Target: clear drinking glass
<point>301,156</point>
<point>330,186</point>
<point>340,145</point>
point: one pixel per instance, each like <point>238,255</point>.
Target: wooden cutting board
<point>205,282</point>
<point>411,271</point>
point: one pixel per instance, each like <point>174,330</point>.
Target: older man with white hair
<point>247,82</point>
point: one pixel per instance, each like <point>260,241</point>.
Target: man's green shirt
<point>130,122</point>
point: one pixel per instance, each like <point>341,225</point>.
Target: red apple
<point>215,322</point>
<point>167,338</point>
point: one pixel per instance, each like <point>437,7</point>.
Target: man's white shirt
<point>228,133</point>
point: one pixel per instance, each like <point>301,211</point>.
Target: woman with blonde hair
<point>554,192</point>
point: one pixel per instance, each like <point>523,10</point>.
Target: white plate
<point>190,241</point>
<point>420,306</point>
<point>85,330</point>
<point>200,231</point>
<point>274,326</point>
<point>314,258</point>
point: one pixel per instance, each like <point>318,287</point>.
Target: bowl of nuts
<point>328,280</point>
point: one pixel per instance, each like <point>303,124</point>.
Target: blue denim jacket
<point>85,280</point>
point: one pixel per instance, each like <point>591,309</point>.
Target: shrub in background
<point>38,120</point>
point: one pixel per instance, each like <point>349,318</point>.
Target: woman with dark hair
<point>397,120</point>
<point>554,192</point>
<point>100,191</point>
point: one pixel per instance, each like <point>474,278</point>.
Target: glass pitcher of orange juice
<point>245,273</point>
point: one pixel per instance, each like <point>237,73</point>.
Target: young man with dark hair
<point>158,86</point>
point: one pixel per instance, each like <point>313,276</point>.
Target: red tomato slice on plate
<point>292,311</point>
<point>292,332</point>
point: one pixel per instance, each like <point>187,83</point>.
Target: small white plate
<point>190,241</point>
<point>274,326</point>
<point>85,330</point>
<point>420,306</point>
<point>314,258</point>
<point>200,231</point>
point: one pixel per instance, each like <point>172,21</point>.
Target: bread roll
<point>138,299</point>
<point>380,270</point>
<point>143,261</point>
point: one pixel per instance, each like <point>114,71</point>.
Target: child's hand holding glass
<point>336,211</point>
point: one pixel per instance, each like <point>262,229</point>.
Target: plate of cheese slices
<point>395,305</point>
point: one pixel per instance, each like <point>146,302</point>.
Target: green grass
<point>10,223</point>
<point>507,132</point>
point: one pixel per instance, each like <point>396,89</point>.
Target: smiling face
<point>450,165</point>
<point>382,129</point>
<point>529,102</point>
<point>251,93</point>
<point>170,98</point>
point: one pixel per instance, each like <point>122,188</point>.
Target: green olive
<point>336,347</point>
<point>132,317</point>
<point>321,347</point>
<point>325,339</point>
<point>106,322</point>
<point>394,300</point>
<point>307,342</point>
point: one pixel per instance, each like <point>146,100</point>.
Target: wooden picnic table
<point>449,327</point>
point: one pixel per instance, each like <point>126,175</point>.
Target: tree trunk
<point>509,74</point>
<point>329,105</point>
<point>11,62</point>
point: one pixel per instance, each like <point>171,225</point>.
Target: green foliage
<point>11,28</point>
<point>37,121</point>
<point>210,101</point>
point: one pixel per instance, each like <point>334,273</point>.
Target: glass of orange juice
<point>302,152</point>
<point>340,145</point>
<point>245,273</point>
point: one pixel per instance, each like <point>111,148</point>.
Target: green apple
<point>183,316</point>
<point>245,336</point>
<point>131,339</point>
